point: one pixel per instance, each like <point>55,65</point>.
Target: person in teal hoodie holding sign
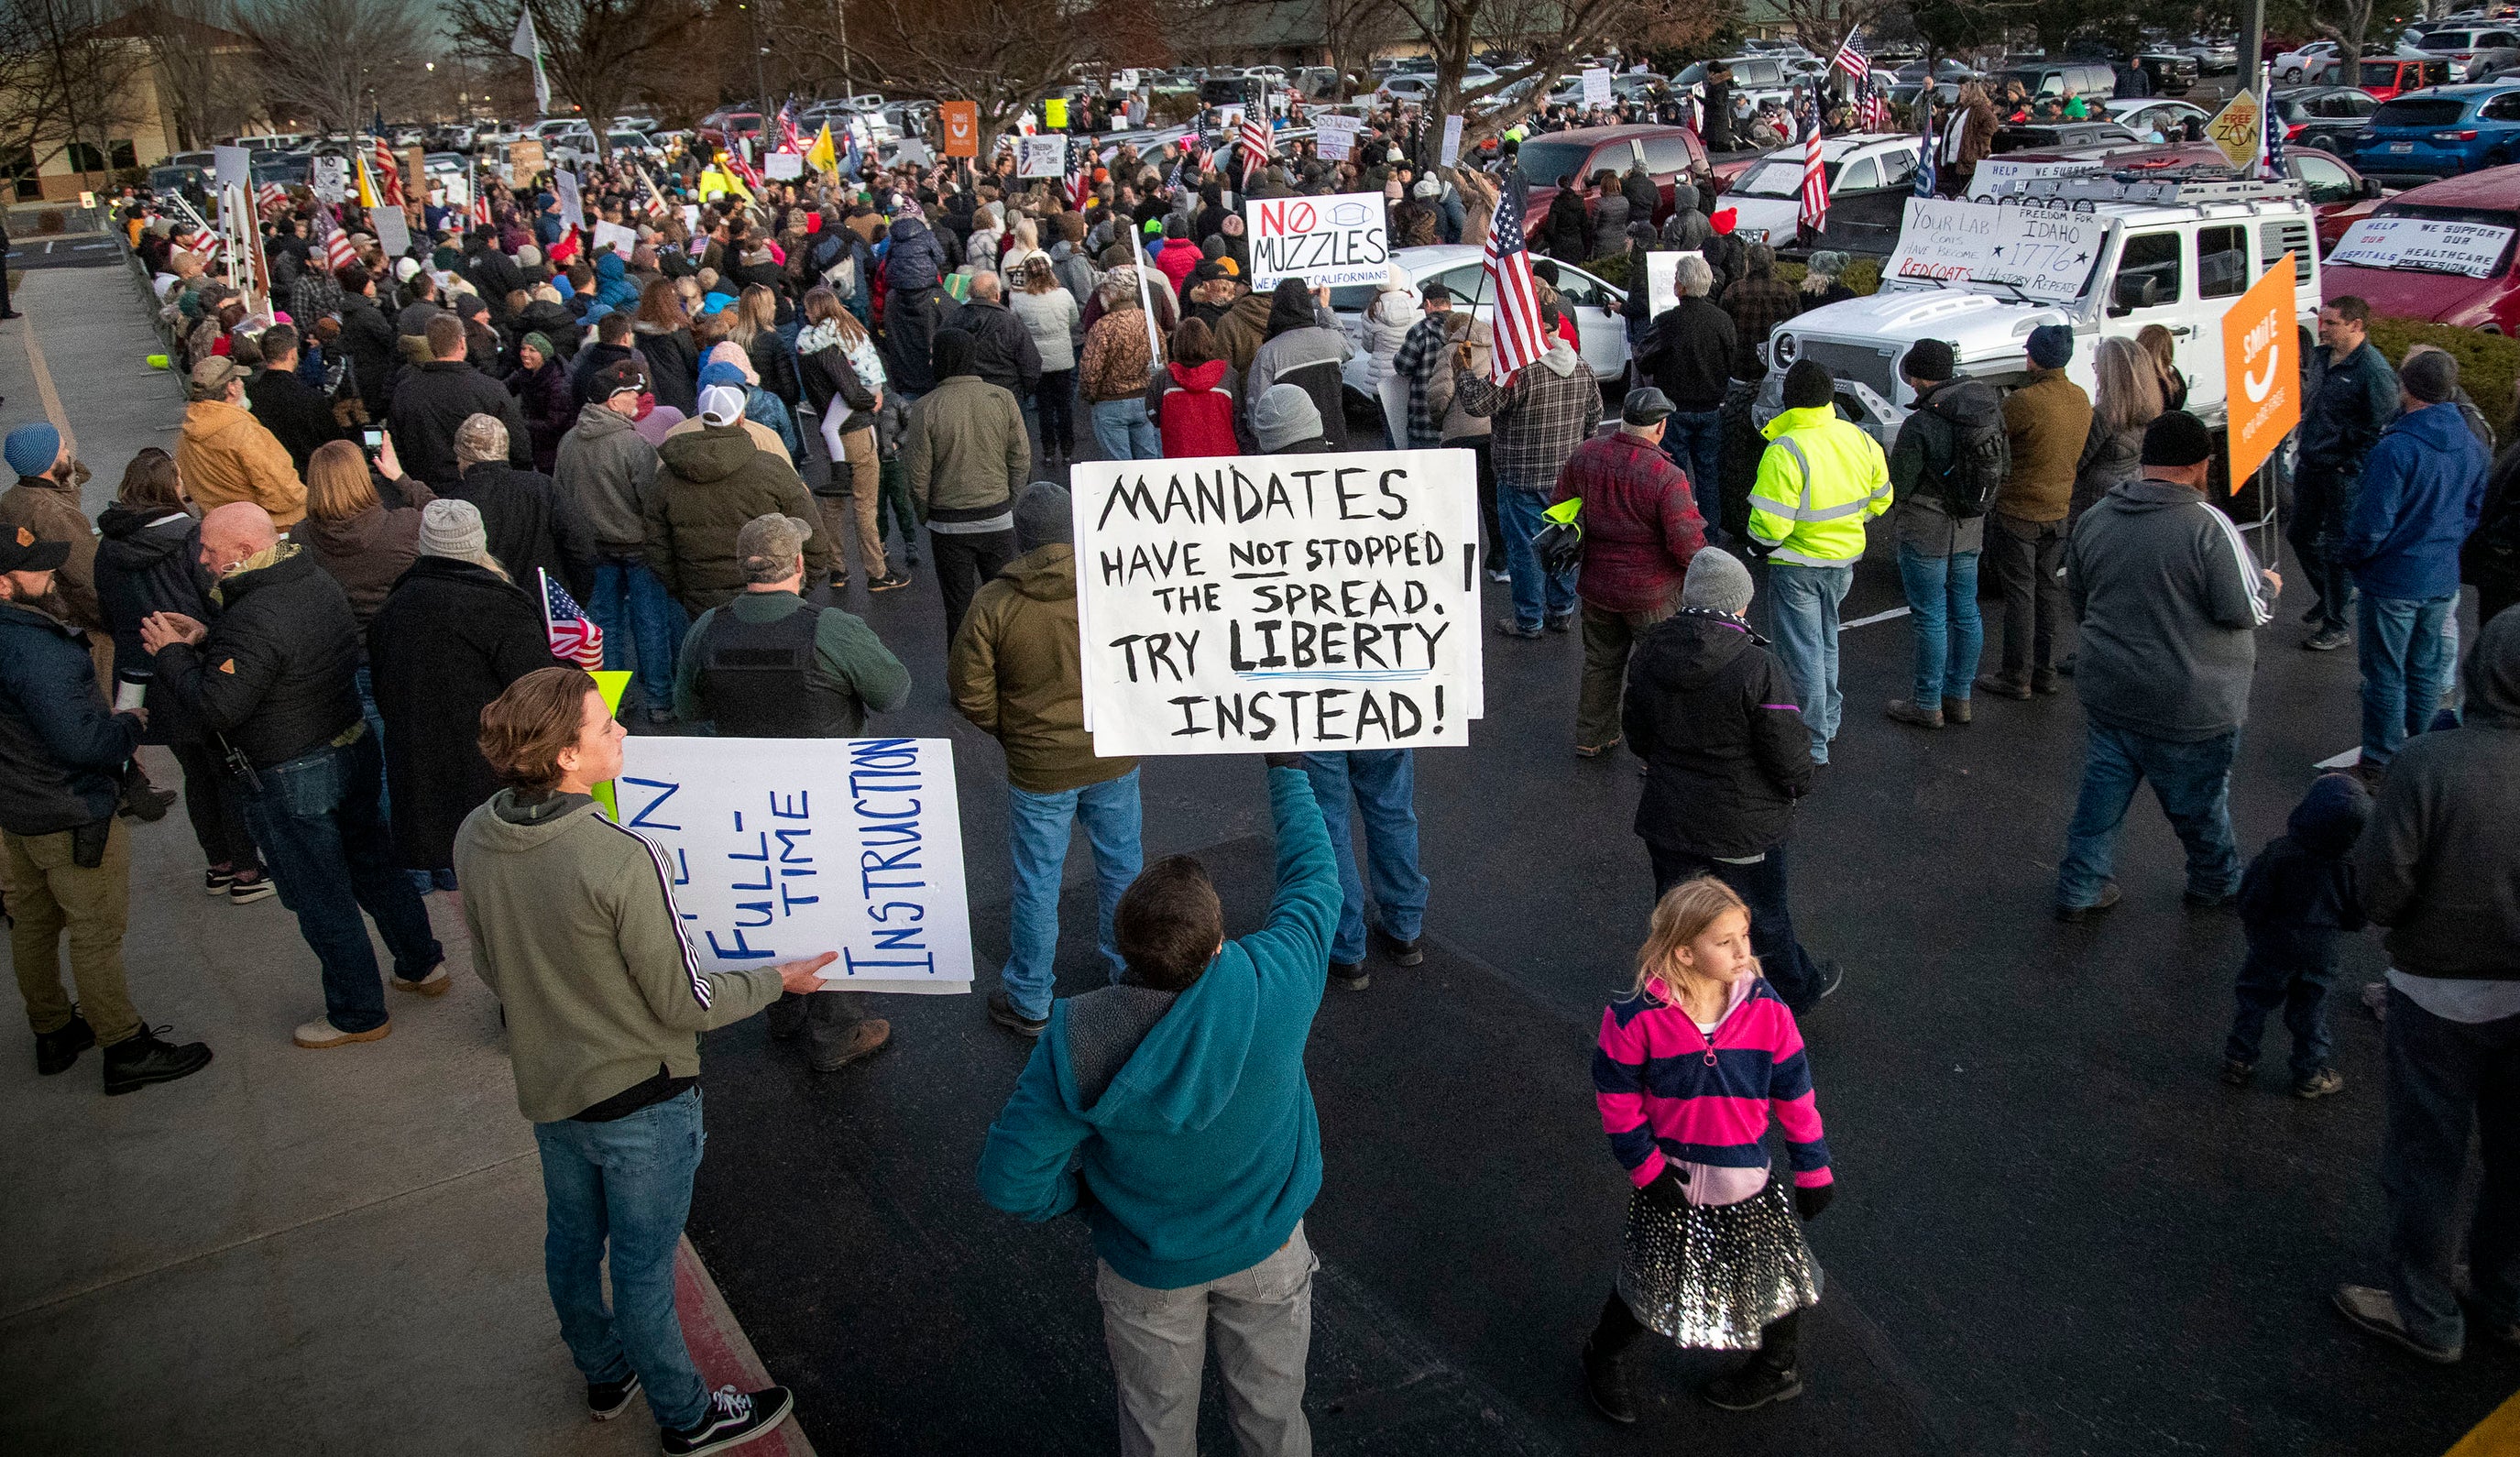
<point>1172,1107</point>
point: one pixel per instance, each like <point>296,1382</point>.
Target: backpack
<point>1981,456</point>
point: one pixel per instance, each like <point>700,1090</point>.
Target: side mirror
<point>2371,188</point>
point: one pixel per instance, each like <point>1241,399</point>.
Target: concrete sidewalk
<point>291,1251</point>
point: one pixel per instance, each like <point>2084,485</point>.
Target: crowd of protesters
<point>328,602</point>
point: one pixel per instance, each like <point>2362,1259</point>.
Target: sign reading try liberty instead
<point>1330,241</point>
<point>1270,604</point>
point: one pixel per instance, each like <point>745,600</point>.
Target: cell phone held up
<point>373,441</point>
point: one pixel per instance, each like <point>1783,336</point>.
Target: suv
<point>2462,46</point>
<point>1870,177</point>
<point>1669,153</point>
<point>2385,76</point>
<point>2485,297</point>
<point>2328,117</point>
<point>2440,132</point>
<point>2178,253</point>
<point>2083,78</point>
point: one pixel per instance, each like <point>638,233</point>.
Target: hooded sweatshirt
<point>1712,713</point>
<point>574,928</point>
<point>609,470</point>
<point>2424,485</point>
<point>226,455</point>
<point>1201,1152</point>
<point>2439,864</point>
<point>1016,671</point>
<point>2170,601</point>
<point>2297,895</point>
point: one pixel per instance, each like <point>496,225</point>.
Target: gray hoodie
<point>2170,601</point>
<point>609,470</point>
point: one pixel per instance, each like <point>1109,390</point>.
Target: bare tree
<point>337,63</point>
<point>67,79</point>
<point>598,53</point>
<point>208,79</point>
<point>1549,34</point>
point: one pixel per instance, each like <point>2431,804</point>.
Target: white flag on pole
<point>529,46</point>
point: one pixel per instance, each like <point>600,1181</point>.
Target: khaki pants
<point>47,895</point>
<point>1609,637</point>
<point>1262,1322</point>
<point>854,514</point>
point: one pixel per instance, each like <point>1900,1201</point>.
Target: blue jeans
<point>626,1183</point>
<point>1535,593</point>
<point>2300,987</point>
<point>1384,782</point>
<point>2443,1078</point>
<point>640,617</point>
<point>317,821</point>
<point>2408,647</point>
<point>1123,431</point>
<point>1943,620</point>
<point>1693,440</point>
<point>2193,782</point>
<point>1802,617</point>
<point>1037,831</point>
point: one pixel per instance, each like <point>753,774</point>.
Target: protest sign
<point>1597,87</point>
<point>233,167</point>
<point>2261,369</point>
<point>2047,254</point>
<point>331,178</point>
<point>615,236</point>
<point>1334,240</point>
<point>2422,245</point>
<point>1452,151</point>
<point>2239,129</point>
<point>1334,137</point>
<point>393,230</point>
<point>783,167</point>
<point>1276,604</point>
<point>779,848</point>
<point>1041,157</point>
<point>572,203</point>
<point>1053,112</point>
<point>911,152</point>
<point>1993,175</point>
<point>962,124</point>
<point>525,157</point>
<point>1661,292</point>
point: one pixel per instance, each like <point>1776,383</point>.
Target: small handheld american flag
<point>1520,340</point>
<point>790,139</point>
<point>574,637</point>
<point>1080,172</point>
<point>1255,136</point>
<point>337,251</point>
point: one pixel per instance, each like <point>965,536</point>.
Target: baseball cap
<point>212,376</point>
<point>620,375</point>
<point>773,541</point>
<point>720,406</point>
<point>22,550</point>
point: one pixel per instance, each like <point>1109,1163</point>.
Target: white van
<point>2178,253</point>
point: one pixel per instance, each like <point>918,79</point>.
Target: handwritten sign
<point>1452,151</point>
<point>777,848</point>
<point>331,177</point>
<point>615,237</point>
<point>525,157</point>
<point>2423,245</point>
<point>1993,175</point>
<point>1597,87</point>
<point>1334,240</point>
<point>783,167</point>
<point>2048,255</point>
<point>1275,604</point>
<point>1334,137</point>
<point>1662,287</point>
<point>1053,113</point>
<point>1041,157</point>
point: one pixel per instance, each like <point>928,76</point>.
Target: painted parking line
<point>2346,760</point>
<point>1896,612</point>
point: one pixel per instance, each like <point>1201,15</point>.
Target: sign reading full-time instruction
<point>1334,241</point>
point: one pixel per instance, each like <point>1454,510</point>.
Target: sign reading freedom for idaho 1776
<point>1279,603</point>
<point>781,848</point>
<point>2046,253</point>
<point>1333,241</point>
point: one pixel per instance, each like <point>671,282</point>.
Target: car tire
<point>2292,77</point>
<point>2323,144</point>
<point>2498,158</point>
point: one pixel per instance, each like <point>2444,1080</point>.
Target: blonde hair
<point>2128,396</point>
<point>1679,918</point>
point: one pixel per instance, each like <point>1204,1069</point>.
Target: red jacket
<point>1640,524</point>
<point>1194,417</point>
<point>1176,258</point>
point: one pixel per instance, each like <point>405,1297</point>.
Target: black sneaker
<point>135,1062</point>
<point>1395,950</point>
<point>1351,974</point>
<point>2319,1085</point>
<point>1753,1386</point>
<point>891,582</point>
<point>215,882</point>
<point>244,891</point>
<point>733,1418</point>
<point>1562,622</point>
<point>56,1050</point>
<point>607,1399</point>
<point>2327,640</point>
<point>2238,1073</point>
<point>1606,1382</point>
<point>1004,1014</point>
<point>2076,915</point>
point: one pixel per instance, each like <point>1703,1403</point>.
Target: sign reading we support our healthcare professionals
<point>781,848</point>
<point>2261,369</point>
<point>1333,241</point>
<point>1280,603</point>
<point>2422,243</point>
<point>2046,253</point>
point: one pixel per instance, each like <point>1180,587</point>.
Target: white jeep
<point>2106,255</point>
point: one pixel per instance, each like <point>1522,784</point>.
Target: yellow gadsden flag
<point>823,156</point>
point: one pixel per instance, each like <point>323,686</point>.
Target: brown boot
<point>867,1037</point>
<point>1956,710</point>
<point>1901,711</point>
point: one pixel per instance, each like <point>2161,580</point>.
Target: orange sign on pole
<point>962,128</point>
<point>2262,370</point>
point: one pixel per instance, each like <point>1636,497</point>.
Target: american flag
<point>1080,172</point>
<point>1850,57</point>
<point>1815,203</point>
<point>789,138</point>
<point>1255,136</point>
<point>336,244</point>
<point>272,197</point>
<point>388,176</point>
<point>1519,338</point>
<point>574,637</point>
<point>1873,108</point>
<point>2271,162</point>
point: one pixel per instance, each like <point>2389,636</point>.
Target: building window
<point>123,154</point>
<point>84,158</point>
<point>24,182</point>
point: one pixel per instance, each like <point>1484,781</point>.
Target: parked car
<point>2312,61</point>
<point>2386,76</point>
<point>2440,132</point>
<point>2154,120</point>
<point>2462,45</point>
<point>2339,197</point>
<point>2085,78</point>
<point>1763,76</point>
<point>2328,117</point>
<point>1870,177</point>
<point>1593,305</point>
<point>2488,301</point>
<point>1668,151</point>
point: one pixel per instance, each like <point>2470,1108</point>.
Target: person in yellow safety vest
<point>1819,481</point>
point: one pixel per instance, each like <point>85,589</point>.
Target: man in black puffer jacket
<point>1712,713</point>
<point>433,401</point>
<point>532,525</point>
<point>274,680</point>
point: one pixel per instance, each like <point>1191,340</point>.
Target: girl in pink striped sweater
<point>1692,1065</point>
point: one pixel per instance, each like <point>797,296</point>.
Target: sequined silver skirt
<point>1711,1276</point>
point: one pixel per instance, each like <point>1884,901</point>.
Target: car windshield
<point>2417,112</point>
<point>2379,72</point>
<point>1772,179</point>
<point>1544,162</point>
